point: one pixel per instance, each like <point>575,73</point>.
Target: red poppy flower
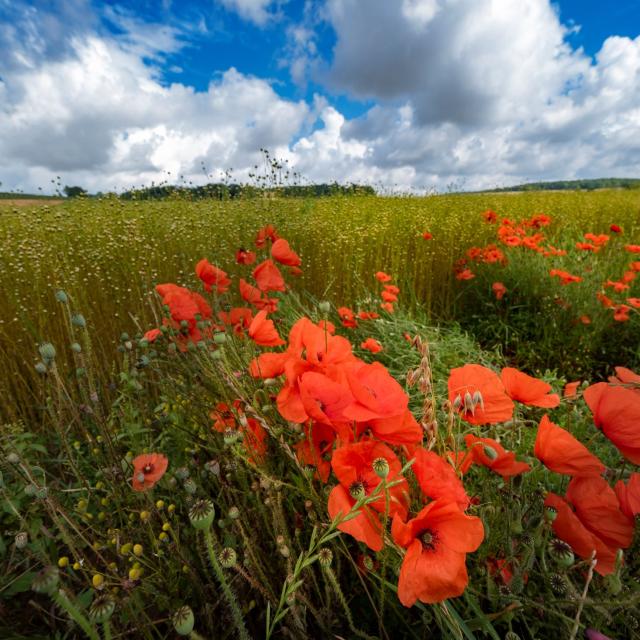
<point>531,391</point>
<point>586,246</point>
<point>437,478</point>
<point>263,332</point>
<point>284,254</point>
<point>491,454</point>
<point>465,274</point>
<point>239,318</point>
<point>568,527</point>
<point>211,276</point>
<point>391,288</point>
<point>621,312</point>
<point>347,317</point>
<point>565,277</point>
<point>388,296</point>
<point>490,216</point>
<point>387,306</point>
<point>245,257</point>
<point>635,266</point>
<point>249,293</point>
<point>616,411</point>
<point>371,344</point>
<point>381,276</point>
<point>625,376</point>
<point>368,315</point>
<point>254,441</point>
<point>571,389</point>
<point>152,335</point>
<point>268,277</point>
<point>629,495</point>
<point>148,468</point>
<point>437,541</point>
<point>353,466</point>
<point>614,228</point>
<point>597,506</point>
<point>427,236</point>
<point>499,290</point>
<point>632,248</point>
<point>559,451</point>
<point>267,232</point>
<point>584,319</point>
<point>479,395</point>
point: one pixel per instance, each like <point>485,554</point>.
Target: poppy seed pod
<point>561,552</point>
<point>325,557</point>
<point>228,557</point>
<point>220,338</point>
<point>21,540</point>
<point>61,296</point>
<point>183,621</point>
<point>102,608</point>
<point>381,467</point>
<point>324,307</point>
<point>46,581</point>
<point>202,514</point>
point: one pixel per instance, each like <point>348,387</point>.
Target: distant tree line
<point>572,185</point>
<point>222,191</point>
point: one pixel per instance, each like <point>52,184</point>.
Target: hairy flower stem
<point>583,597</point>
<point>62,600</point>
<point>231,599</point>
<point>343,601</point>
<point>106,630</point>
<point>383,566</point>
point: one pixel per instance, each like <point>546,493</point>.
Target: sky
<point>405,95</point>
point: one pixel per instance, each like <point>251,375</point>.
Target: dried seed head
<point>21,539</point>
<point>558,584</point>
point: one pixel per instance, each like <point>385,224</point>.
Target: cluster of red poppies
<point>356,423</point>
<point>518,234</point>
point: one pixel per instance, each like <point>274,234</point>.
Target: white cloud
<point>101,118</point>
<point>256,11</point>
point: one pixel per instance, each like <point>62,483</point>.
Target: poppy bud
<point>614,584</point>
<point>490,452</point>
<point>190,486</point>
<point>183,621</point>
<point>77,320</point>
<point>46,581</point>
<point>550,514</point>
<point>220,338</point>
<point>102,608</point>
<point>76,348</point>
<point>182,473</point>
<point>228,557</point>
<point>47,352</point>
<point>381,467</point>
<point>61,296</point>
<point>233,513</point>
<point>202,514</point>
<point>41,368</point>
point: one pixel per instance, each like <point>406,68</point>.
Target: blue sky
<point>408,94</point>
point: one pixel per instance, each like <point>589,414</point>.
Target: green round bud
<point>490,452</point>
<point>324,306</point>
<point>550,514</point>
<point>182,473</point>
<point>76,348</point>
<point>190,486</point>
<point>220,338</point>
<point>41,368</point>
<point>233,513</point>
<point>61,296</point>
<point>202,514</point>
<point>13,458</point>
<point>183,621</point>
<point>216,355</point>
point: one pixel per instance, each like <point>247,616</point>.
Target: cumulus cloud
<point>102,118</point>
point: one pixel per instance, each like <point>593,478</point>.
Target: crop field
<point>337,417</point>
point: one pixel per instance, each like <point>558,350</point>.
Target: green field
<point>107,255</point>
